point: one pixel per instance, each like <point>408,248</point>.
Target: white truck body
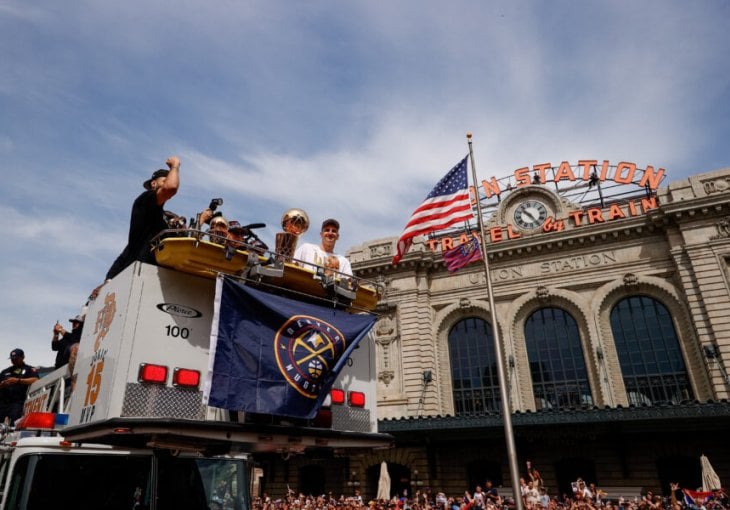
<point>151,316</point>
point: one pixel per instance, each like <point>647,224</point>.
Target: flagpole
<point>506,413</point>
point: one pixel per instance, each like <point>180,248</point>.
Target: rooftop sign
<point>588,170</point>
<point>602,192</point>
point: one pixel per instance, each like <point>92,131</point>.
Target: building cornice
<point>577,416</point>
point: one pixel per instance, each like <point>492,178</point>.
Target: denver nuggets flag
<point>274,355</point>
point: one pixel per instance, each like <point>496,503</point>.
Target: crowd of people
<point>473,501</point>
<point>584,497</point>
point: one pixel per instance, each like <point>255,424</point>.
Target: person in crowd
<point>14,383</point>
<point>599,495</point>
<point>479,498</point>
<point>218,230</point>
<point>147,218</point>
<point>583,489</point>
<point>236,234</point>
<point>532,494</point>
<point>491,493</point>
<point>244,239</point>
<point>218,227</point>
<point>466,501</point>
<point>675,502</point>
<point>324,255</point>
<point>650,501</point>
<point>63,340</point>
<point>523,489</point>
<point>534,475</point>
<point>580,502</point>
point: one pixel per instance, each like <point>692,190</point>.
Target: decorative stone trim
<point>386,329</point>
<point>716,185</point>
<point>723,229</point>
<point>696,410</point>
<point>386,376</point>
<point>381,250</point>
<point>630,279</point>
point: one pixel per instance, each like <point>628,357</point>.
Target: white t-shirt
<point>314,255</point>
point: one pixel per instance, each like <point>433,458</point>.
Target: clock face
<point>530,214</point>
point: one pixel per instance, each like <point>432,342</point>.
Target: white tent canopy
<point>710,480</point>
<point>384,482</point>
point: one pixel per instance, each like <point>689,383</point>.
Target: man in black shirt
<point>147,219</point>
<point>14,383</point>
<point>63,340</point>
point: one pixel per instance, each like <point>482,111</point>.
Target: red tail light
<point>186,378</point>
<point>149,373</point>
<point>338,396</point>
<point>356,399</point>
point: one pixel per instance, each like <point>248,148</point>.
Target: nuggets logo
<point>306,349</point>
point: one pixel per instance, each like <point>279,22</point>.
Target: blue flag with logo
<point>275,355</point>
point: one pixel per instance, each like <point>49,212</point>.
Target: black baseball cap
<point>331,221</point>
<point>78,318</point>
<point>17,353</point>
<point>162,172</point>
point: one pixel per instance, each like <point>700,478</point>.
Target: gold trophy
<point>294,222</point>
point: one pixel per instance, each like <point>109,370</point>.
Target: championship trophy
<point>294,222</point>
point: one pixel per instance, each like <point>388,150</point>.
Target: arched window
<point>648,350</point>
<point>557,365</point>
<point>473,367</point>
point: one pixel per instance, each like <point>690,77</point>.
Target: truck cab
<point>50,472</point>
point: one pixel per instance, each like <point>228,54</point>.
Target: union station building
<point>611,287</point>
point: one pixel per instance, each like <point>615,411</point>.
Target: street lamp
<point>352,482</point>
<point>414,479</point>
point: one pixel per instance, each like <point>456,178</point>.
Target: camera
<point>174,221</point>
<point>215,203</point>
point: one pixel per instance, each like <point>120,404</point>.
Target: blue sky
<point>347,109</point>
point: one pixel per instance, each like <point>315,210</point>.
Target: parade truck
<point>132,426</point>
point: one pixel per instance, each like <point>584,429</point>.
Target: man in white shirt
<point>323,255</point>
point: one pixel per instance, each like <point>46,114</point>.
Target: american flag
<point>447,204</point>
<point>464,254</point>
<point>696,499</point>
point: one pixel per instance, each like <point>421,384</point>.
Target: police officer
<point>14,383</point>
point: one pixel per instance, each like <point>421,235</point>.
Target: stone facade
<point>673,246</point>
<point>676,252</point>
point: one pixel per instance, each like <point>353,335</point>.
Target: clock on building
<point>530,214</point>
